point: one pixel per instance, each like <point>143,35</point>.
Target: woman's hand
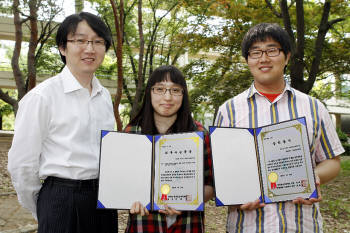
<point>138,208</point>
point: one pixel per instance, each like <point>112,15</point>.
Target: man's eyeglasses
<point>84,43</point>
<point>176,91</point>
<point>272,52</point>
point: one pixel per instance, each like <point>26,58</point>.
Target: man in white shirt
<point>54,157</point>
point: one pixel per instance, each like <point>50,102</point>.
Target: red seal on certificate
<point>273,177</point>
<point>165,189</point>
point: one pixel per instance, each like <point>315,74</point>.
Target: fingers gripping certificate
<point>154,170</point>
<point>272,163</point>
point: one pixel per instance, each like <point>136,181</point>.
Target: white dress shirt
<point>57,133</point>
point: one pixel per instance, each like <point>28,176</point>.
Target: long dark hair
<point>145,117</point>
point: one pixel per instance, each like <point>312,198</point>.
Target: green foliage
<point>196,27</point>
<point>346,148</point>
<point>5,109</point>
<point>335,204</point>
<point>6,112</point>
<point>217,27</point>
<point>5,7</point>
<point>213,84</point>
<point>108,68</point>
<point>162,23</point>
<point>49,62</point>
<point>345,166</point>
<point>344,141</point>
<point>335,200</point>
<point>322,90</point>
<point>336,207</point>
<point>239,16</point>
<point>342,136</point>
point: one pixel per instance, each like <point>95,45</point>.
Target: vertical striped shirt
<point>252,109</point>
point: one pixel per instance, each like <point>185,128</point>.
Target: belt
<point>72,183</point>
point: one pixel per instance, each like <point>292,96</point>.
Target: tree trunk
<point>317,54</point>
<point>137,99</point>
<point>118,21</point>
<point>79,6</point>
<point>19,79</point>
<point>32,55</point>
<point>33,42</point>
<point>297,64</point>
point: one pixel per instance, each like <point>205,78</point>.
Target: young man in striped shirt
<point>270,99</point>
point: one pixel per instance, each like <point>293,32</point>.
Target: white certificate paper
<point>125,170</point>
<point>179,171</point>
<point>235,167</point>
<point>286,167</point>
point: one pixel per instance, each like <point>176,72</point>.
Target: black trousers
<point>69,206</point>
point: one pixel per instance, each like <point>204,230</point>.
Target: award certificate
<point>272,163</point>
<point>154,170</point>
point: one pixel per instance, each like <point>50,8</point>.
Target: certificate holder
<point>154,170</point>
<point>272,163</point>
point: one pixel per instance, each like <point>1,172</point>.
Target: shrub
<point>344,141</point>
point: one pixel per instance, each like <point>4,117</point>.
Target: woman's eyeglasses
<point>176,91</point>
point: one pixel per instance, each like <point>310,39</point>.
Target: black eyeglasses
<point>176,91</point>
<point>272,52</point>
<point>84,43</point>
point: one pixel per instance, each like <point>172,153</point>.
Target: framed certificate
<point>272,163</point>
<point>154,170</point>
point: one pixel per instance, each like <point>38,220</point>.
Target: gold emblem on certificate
<point>165,189</point>
<point>273,177</point>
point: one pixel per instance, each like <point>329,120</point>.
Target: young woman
<point>165,110</point>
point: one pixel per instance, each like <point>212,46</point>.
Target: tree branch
<point>274,11</point>
<point>286,20</point>
<point>334,21</point>
<point>8,99</point>
<point>322,31</point>
<point>300,46</point>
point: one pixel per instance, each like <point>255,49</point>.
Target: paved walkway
<point>14,218</point>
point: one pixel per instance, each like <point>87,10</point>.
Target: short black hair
<point>264,31</point>
<point>70,24</point>
<point>145,117</point>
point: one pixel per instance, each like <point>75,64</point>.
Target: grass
<point>335,207</point>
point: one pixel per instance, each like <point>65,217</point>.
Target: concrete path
<point>14,218</point>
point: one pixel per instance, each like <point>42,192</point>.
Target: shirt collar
<point>96,86</point>
<point>70,83</point>
<point>252,90</point>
